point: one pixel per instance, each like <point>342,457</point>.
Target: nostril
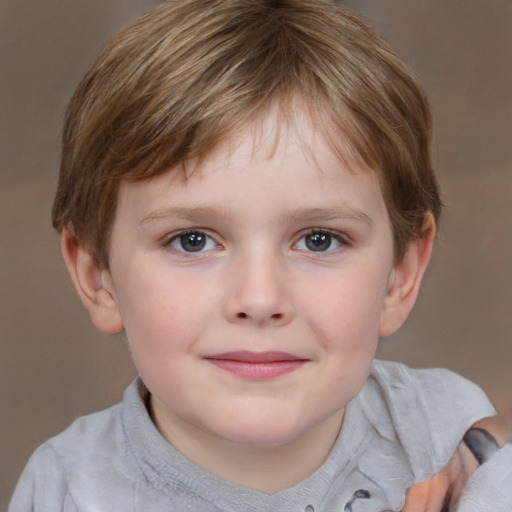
<point>275,316</point>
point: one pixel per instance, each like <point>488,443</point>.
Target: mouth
<point>257,365</point>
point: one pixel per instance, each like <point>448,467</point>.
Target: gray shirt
<point>401,429</point>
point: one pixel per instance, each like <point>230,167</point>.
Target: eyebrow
<point>199,213</point>
<point>185,213</point>
<point>331,213</point>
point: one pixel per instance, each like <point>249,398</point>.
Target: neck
<point>266,468</point>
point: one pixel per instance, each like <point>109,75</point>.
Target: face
<point>252,293</point>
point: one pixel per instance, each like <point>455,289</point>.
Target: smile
<point>257,365</point>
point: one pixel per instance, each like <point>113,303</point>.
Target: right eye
<point>192,241</point>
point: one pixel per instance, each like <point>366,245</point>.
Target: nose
<point>259,292</point>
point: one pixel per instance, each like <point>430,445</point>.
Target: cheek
<point>162,329</point>
<point>346,309</point>
<point>163,314</point>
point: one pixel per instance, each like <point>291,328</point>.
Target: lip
<point>257,365</point>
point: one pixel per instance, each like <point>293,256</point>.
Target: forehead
<point>279,131</point>
<point>270,169</point>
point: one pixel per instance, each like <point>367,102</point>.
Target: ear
<point>93,284</point>
<point>405,280</point>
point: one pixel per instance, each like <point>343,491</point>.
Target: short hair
<point>183,78</point>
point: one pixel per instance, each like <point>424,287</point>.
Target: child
<point>246,190</point>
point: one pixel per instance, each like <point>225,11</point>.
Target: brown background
<point>54,366</point>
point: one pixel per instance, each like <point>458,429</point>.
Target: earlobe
<point>405,280</point>
<point>93,284</point>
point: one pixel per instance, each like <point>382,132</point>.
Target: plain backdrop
<point>54,366</point>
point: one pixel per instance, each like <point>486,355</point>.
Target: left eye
<point>319,241</point>
<point>192,241</point>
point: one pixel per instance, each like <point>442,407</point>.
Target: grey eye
<point>318,241</point>
<point>192,241</point>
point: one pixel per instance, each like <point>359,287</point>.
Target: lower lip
<point>258,370</point>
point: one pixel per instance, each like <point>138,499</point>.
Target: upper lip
<point>247,356</point>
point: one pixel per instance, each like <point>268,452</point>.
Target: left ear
<point>405,279</point>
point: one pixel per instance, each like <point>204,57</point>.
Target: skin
<point>440,493</point>
<point>255,286</point>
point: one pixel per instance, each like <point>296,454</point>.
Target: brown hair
<point>185,76</point>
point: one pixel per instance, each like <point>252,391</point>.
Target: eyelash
<point>333,235</point>
<point>187,232</point>
<point>341,239</point>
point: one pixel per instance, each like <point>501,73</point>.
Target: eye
<point>318,240</point>
<point>192,241</point>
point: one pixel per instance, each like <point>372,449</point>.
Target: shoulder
<point>490,487</point>
<point>428,410</point>
<point>88,434</point>
<point>47,480</point>
<point>438,385</point>
<point>75,462</point>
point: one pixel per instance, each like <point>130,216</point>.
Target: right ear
<point>93,284</point>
